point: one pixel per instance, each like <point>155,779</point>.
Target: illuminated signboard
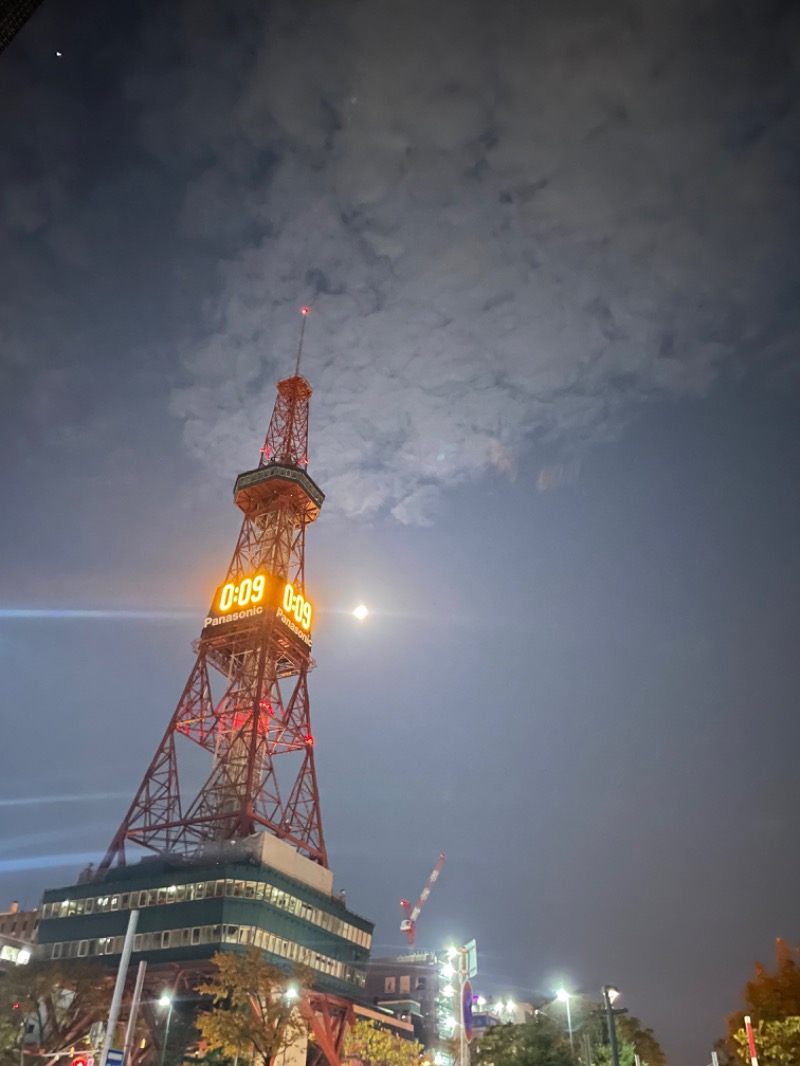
<point>241,594</point>
<point>297,606</point>
<point>248,598</point>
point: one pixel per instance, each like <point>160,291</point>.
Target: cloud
<point>516,225</point>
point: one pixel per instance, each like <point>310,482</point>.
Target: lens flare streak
<point>24,613</point>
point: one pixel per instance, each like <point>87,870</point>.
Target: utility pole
<point>130,1032</point>
<point>122,972</point>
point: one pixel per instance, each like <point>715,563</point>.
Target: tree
<point>642,1041</point>
<point>633,1040</point>
<point>601,1055</point>
<point>589,1020</point>
<point>776,1042</point>
<point>60,1000</point>
<point>538,1042</point>
<point>773,1002</point>
<point>251,1015</point>
<point>368,1044</point>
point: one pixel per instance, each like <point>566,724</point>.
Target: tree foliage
<point>538,1042</point>
<point>641,1041</point>
<point>60,1000</point>
<point>773,1002</point>
<point>368,1044</point>
<point>777,1043</point>
<point>251,1015</point>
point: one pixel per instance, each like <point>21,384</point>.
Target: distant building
<point>408,985</point>
<point>13,16</point>
<point>498,1010</point>
<point>17,934</point>
<point>381,1018</point>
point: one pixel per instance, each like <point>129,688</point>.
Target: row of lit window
<point>259,890</point>
<point>206,934</point>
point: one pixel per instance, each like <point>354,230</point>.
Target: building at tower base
<point>258,892</point>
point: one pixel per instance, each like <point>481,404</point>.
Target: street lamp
<point>564,997</point>
<point>165,1001</point>
<point>609,995</point>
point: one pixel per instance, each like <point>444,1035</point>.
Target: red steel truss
<point>256,729</point>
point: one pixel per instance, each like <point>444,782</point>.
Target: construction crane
<point>409,923</point>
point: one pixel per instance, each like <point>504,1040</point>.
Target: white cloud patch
<point>515,223</point>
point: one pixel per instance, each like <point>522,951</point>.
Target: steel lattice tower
<point>255,646</point>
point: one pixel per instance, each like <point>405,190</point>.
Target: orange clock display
<point>252,592</point>
<point>297,606</point>
<point>248,592</point>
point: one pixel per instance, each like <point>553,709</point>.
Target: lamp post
<point>564,997</point>
<point>609,995</point>
<point>165,1000</point>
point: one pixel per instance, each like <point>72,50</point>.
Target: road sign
<point>114,1057</point>
<point>466,1010</point>
<point>471,952</point>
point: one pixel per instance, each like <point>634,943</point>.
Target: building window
<point>389,984</point>
<point>420,983</point>
<point>405,984</point>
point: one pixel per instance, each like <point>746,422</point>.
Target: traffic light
<point>80,1060</point>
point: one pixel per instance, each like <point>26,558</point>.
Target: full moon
<point>360,612</point>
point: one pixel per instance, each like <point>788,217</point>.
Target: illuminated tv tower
<point>255,651</point>
<point>239,863</point>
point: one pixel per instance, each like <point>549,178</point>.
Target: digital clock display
<point>245,593</point>
<point>253,592</point>
<point>296,605</point>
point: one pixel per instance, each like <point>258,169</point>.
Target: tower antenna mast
<point>304,313</point>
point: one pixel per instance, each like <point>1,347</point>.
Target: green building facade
<point>190,911</point>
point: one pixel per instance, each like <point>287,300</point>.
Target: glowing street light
<point>564,997</point>
<point>291,993</point>
<point>609,995</point>
<point>165,1002</point>
<point>360,612</point>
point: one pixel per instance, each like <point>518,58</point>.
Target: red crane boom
<point>409,923</point>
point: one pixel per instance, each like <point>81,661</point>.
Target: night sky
<point>551,254</point>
